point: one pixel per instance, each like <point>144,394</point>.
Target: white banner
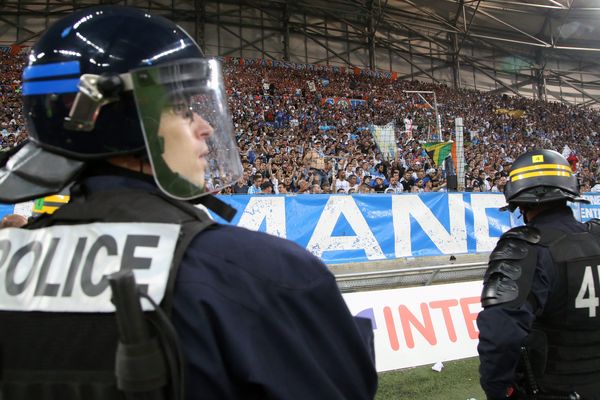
<point>421,325</point>
<point>385,139</point>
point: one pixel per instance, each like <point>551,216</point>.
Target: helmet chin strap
<point>529,212</point>
<point>523,212</point>
<point>132,162</point>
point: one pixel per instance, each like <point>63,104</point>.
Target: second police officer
<point>540,323</point>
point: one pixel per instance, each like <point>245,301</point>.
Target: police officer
<point>540,323</point>
<point>123,106</point>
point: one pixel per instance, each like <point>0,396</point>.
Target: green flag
<point>438,151</point>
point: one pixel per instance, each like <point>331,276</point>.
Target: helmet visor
<point>187,126</point>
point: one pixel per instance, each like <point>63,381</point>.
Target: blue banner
<point>6,209</point>
<point>361,228</point>
<point>588,211</point>
<point>342,228</point>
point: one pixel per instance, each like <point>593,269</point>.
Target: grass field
<point>458,380</point>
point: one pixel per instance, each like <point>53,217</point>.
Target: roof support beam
<point>345,52</point>
<point>502,5</point>
<point>436,68</point>
<point>371,34</point>
<point>199,23</point>
<point>514,86</point>
<point>433,15</point>
<point>468,27</point>
<point>474,64</point>
<point>487,14</point>
<point>555,41</point>
<point>538,71</point>
<point>247,43</point>
<point>286,32</point>
<point>400,52</point>
<point>308,35</point>
<point>579,89</point>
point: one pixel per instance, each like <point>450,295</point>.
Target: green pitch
<point>458,380</point>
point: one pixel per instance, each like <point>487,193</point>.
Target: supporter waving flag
<point>439,151</point>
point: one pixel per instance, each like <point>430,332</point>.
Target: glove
<point>514,392</point>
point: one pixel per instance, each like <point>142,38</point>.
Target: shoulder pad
<point>499,290</point>
<point>510,271</point>
<point>509,250</point>
<point>505,268</point>
<point>526,233</point>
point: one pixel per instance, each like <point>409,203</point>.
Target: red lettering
<point>469,316</point>
<point>391,328</point>
<point>445,305</point>
<point>423,323</point>
<point>426,328</point>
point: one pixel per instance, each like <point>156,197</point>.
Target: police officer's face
<point>185,138</point>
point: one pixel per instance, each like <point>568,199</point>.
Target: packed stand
<point>12,126</point>
<point>294,139</point>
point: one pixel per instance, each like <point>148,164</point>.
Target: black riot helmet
<point>101,83</point>
<point>540,176</point>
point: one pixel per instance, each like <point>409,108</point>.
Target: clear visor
<point>187,126</point>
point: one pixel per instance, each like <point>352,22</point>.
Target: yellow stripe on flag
<point>46,210</point>
<point>49,204</point>
<point>57,198</point>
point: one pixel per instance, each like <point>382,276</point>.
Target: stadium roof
<point>560,26</point>
<point>534,30</point>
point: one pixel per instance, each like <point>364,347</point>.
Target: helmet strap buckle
<point>95,91</point>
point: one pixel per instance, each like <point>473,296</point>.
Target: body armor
<point>572,328</point>
<point>65,355</point>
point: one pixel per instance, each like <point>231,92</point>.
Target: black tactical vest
<point>54,355</point>
<point>572,330</point>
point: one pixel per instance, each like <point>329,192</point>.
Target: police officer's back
<point>539,329</point>
<point>124,105</point>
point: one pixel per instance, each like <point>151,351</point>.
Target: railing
<point>417,276</point>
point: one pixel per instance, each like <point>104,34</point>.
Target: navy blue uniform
<point>260,317</point>
<point>503,330</point>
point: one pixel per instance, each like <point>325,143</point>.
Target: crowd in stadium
<point>12,126</point>
<point>306,130</point>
